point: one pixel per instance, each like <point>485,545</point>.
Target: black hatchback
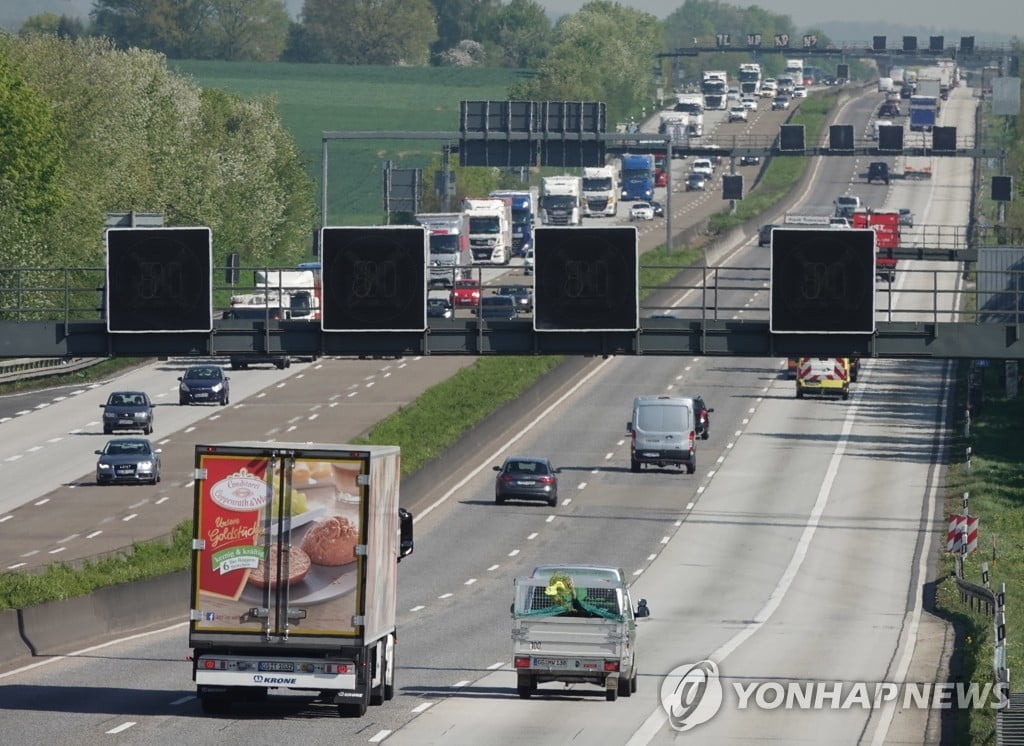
<point>526,478</point>
<point>203,383</point>
<point>128,410</point>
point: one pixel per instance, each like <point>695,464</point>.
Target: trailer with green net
<point>576,629</point>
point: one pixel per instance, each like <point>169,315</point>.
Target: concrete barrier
<point>61,627</point>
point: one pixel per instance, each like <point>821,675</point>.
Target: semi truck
<point>448,245</point>
<point>750,79</point>
<point>489,227</point>
<point>561,200</point>
<point>692,105</point>
<point>524,204</point>
<point>795,70</point>
<point>577,625</point>
<point>295,558</point>
<point>637,177</point>
<point>600,191</point>
<point>715,87</point>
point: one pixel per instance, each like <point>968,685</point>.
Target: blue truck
<point>922,113</point>
<point>524,204</point>
<point>637,177</point>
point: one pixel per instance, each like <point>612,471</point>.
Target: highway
<point>795,552</point>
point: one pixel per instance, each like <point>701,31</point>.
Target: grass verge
<point>995,484</point>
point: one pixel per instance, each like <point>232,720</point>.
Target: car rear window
<point>527,467</point>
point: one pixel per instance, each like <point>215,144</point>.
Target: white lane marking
<point>66,539</point>
<point>566,501</point>
<point>379,736</point>
<point>513,553</point>
<point>352,393</point>
<point>13,458</point>
<point>418,608</point>
<point>94,534</point>
<point>55,440</point>
<point>677,524</point>
<point>657,719</point>
<point>58,550</point>
<point>608,456</point>
<point>446,595</point>
<point>6,518</point>
<point>422,707</point>
<point>16,565</point>
<point>495,666</point>
<point>182,700</point>
<point>370,384</point>
<point>652,557</point>
<point>665,539</point>
<point>637,572</point>
<point>594,470</point>
<point>190,428</point>
<point>549,519</point>
<point>33,449</point>
<point>460,684</point>
<point>486,463</point>
<point>689,506</point>
<point>492,568</point>
<point>129,517</point>
<point>470,581</point>
<point>121,728</point>
<point>532,536</point>
<point>581,485</point>
<point>31,553</point>
<point>162,500</point>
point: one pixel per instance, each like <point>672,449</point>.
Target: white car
<point>641,211</point>
<point>737,114</point>
<point>703,166</point>
<point>800,92</point>
<point>749,103</point>
<point>528,262</point>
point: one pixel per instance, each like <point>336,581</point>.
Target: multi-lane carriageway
<point>797,551</point>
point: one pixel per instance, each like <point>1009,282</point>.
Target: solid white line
<point>121,728</point>
<point>486,464</point>
<point>654,722</point>
<point>422,707</point>
<point>380,736</point>
<point>495,666</point>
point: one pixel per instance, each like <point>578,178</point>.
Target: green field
<point>313,99</point>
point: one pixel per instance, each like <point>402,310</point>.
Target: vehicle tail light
<point>522,661</point>
<point>506,478</point>
<point>611,665</point>
<point>693,438</point>
<point>546,480</point>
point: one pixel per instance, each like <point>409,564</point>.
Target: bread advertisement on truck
<point>244,522</point>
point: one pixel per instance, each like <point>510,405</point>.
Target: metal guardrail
<point>17,369</point>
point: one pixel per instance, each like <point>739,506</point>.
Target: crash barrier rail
<point>17,369</point>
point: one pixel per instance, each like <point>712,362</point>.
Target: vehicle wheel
<point>389,684</point>
<point>633,683</point>
<point>182,401</point>
<point>280,365</point>
<point>224,401</point>
<point>634,465</point>
<point>236,366</point>
<point>107,430</point>
<point>553,501</point>
<point>377,692</point>
<point>148,430</point>
<point>799,394</point>
<point>705,434</point>
<point>526,685</point>
<point>499,500</point>
<point>691,467</point>
<point>846,395</point>
<point>624,688</point>
<point>611,694</point>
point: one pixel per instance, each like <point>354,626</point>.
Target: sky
<point>978,17</point>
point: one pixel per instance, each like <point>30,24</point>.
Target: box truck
<point>295,558</point>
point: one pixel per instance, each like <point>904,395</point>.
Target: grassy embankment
<point>425,428</point>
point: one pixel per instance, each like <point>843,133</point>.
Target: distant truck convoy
<point>295,572</point>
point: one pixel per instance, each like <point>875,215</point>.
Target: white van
<point>662,432</point>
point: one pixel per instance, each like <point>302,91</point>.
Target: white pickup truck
<point>574,626</point>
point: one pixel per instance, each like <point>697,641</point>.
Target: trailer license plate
<point>279,666</point>
<point>554,662</point>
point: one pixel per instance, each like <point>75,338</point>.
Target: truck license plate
<point>559,662</point>
<point>286,666</point>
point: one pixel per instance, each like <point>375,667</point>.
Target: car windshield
<point>127,447</point>
<point>208,373</point>
<point>126,400</point>
<point>437,302</point>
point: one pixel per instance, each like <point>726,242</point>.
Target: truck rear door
<point>276,553</point>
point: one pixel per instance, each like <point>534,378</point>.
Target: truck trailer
<point>295,558</point>
<point>449,245</point>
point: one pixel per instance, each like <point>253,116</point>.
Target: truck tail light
<point>522,661</point>
<point>611,665</point>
